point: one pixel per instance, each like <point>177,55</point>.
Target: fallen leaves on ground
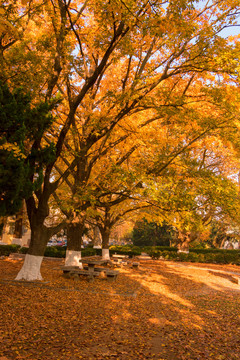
<point>162,311</point>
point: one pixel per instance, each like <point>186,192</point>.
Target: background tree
<point>19,124</point>
<point>147,233</point>
<point>198,188</point>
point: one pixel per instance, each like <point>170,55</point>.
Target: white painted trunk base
<point>105,254</point>
<point>73,258</point>
<point>30,270</point>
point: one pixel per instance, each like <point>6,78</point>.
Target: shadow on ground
<point>163,310</point>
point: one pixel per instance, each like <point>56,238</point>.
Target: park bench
<point>111,274</point>
<point>75,272</point>
<point>119,257</point>
<point>135,265</point>
<point>119,260</point>
<point>90,274</point>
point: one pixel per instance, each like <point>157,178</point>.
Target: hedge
<point>51,251</point>
<point>60,251</point>
<point>215,256</point>
<point>148,249</point>
<point>129,250</point>
<point>6,250</point>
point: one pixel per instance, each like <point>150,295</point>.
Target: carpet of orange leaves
<point>163,310</point>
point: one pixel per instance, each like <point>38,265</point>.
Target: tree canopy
<point>149,100</point>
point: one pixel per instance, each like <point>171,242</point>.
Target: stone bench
<point>107,273</point>
<point>135,265</point>
<point>69,268</point>
<point>74,272</point>
<point>112,274</point>
<point>236,279</point>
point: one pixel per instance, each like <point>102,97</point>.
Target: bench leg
<point>66,275</point>
<point>111,278</point>
<point>90,278</point>
<point>75,277</point>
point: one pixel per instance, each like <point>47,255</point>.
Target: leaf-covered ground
<point>163,310</point>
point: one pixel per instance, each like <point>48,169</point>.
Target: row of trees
<point>216,235</point>
<point>132,111</point>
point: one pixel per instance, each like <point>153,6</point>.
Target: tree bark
<point>33,260</point>
<point>105,232</point>
<point>97,240</point>
<point>40,235</point>
<point>74,243</point>
<point>183,241</point>
<point>18,225</point>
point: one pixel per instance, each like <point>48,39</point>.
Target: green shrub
<point>209,258</point>
<point>201,258</point>
<point>60,251</point>
<point>190,257</point>
<point>167,248</point>
<point>89,251</point>
<point>213,256</point>
<point>148,249</point>
<point>221,258</point>
<point>129,250</point>
<point>216,257</point>
<point>23,250</point>
<point>233,258</point>
<point>170,255</point>
<point>155,254</point>
<point>55,251</point>
<point>6,250</point>
<point>51,251</point>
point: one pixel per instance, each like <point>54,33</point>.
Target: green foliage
<point>60,251</point>
<point>12,179</point>
<point>23,250</point>
<point>55,251</point>
<point>151,233</point>
<point>213,256</point>
<point>6,250</point>
<point>89,252</point>
<point>22,158</point>
<point>155,254</point>
<point>125,250</point>
<point>160,248</point>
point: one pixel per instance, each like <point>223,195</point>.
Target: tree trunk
<point>40,235</point>
<point>3,222</point>
<point>74,244</point>
<point>30,270</point>
<point>18,225</point>
<point>105,243</point>
<point>97,240</point>
<point>183,241</point>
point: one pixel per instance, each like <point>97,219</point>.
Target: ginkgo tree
<point>198,187</point>
<point>156,163</point>
<point>180,106</point>
<point>92,197</point>
<point>112,62</point>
